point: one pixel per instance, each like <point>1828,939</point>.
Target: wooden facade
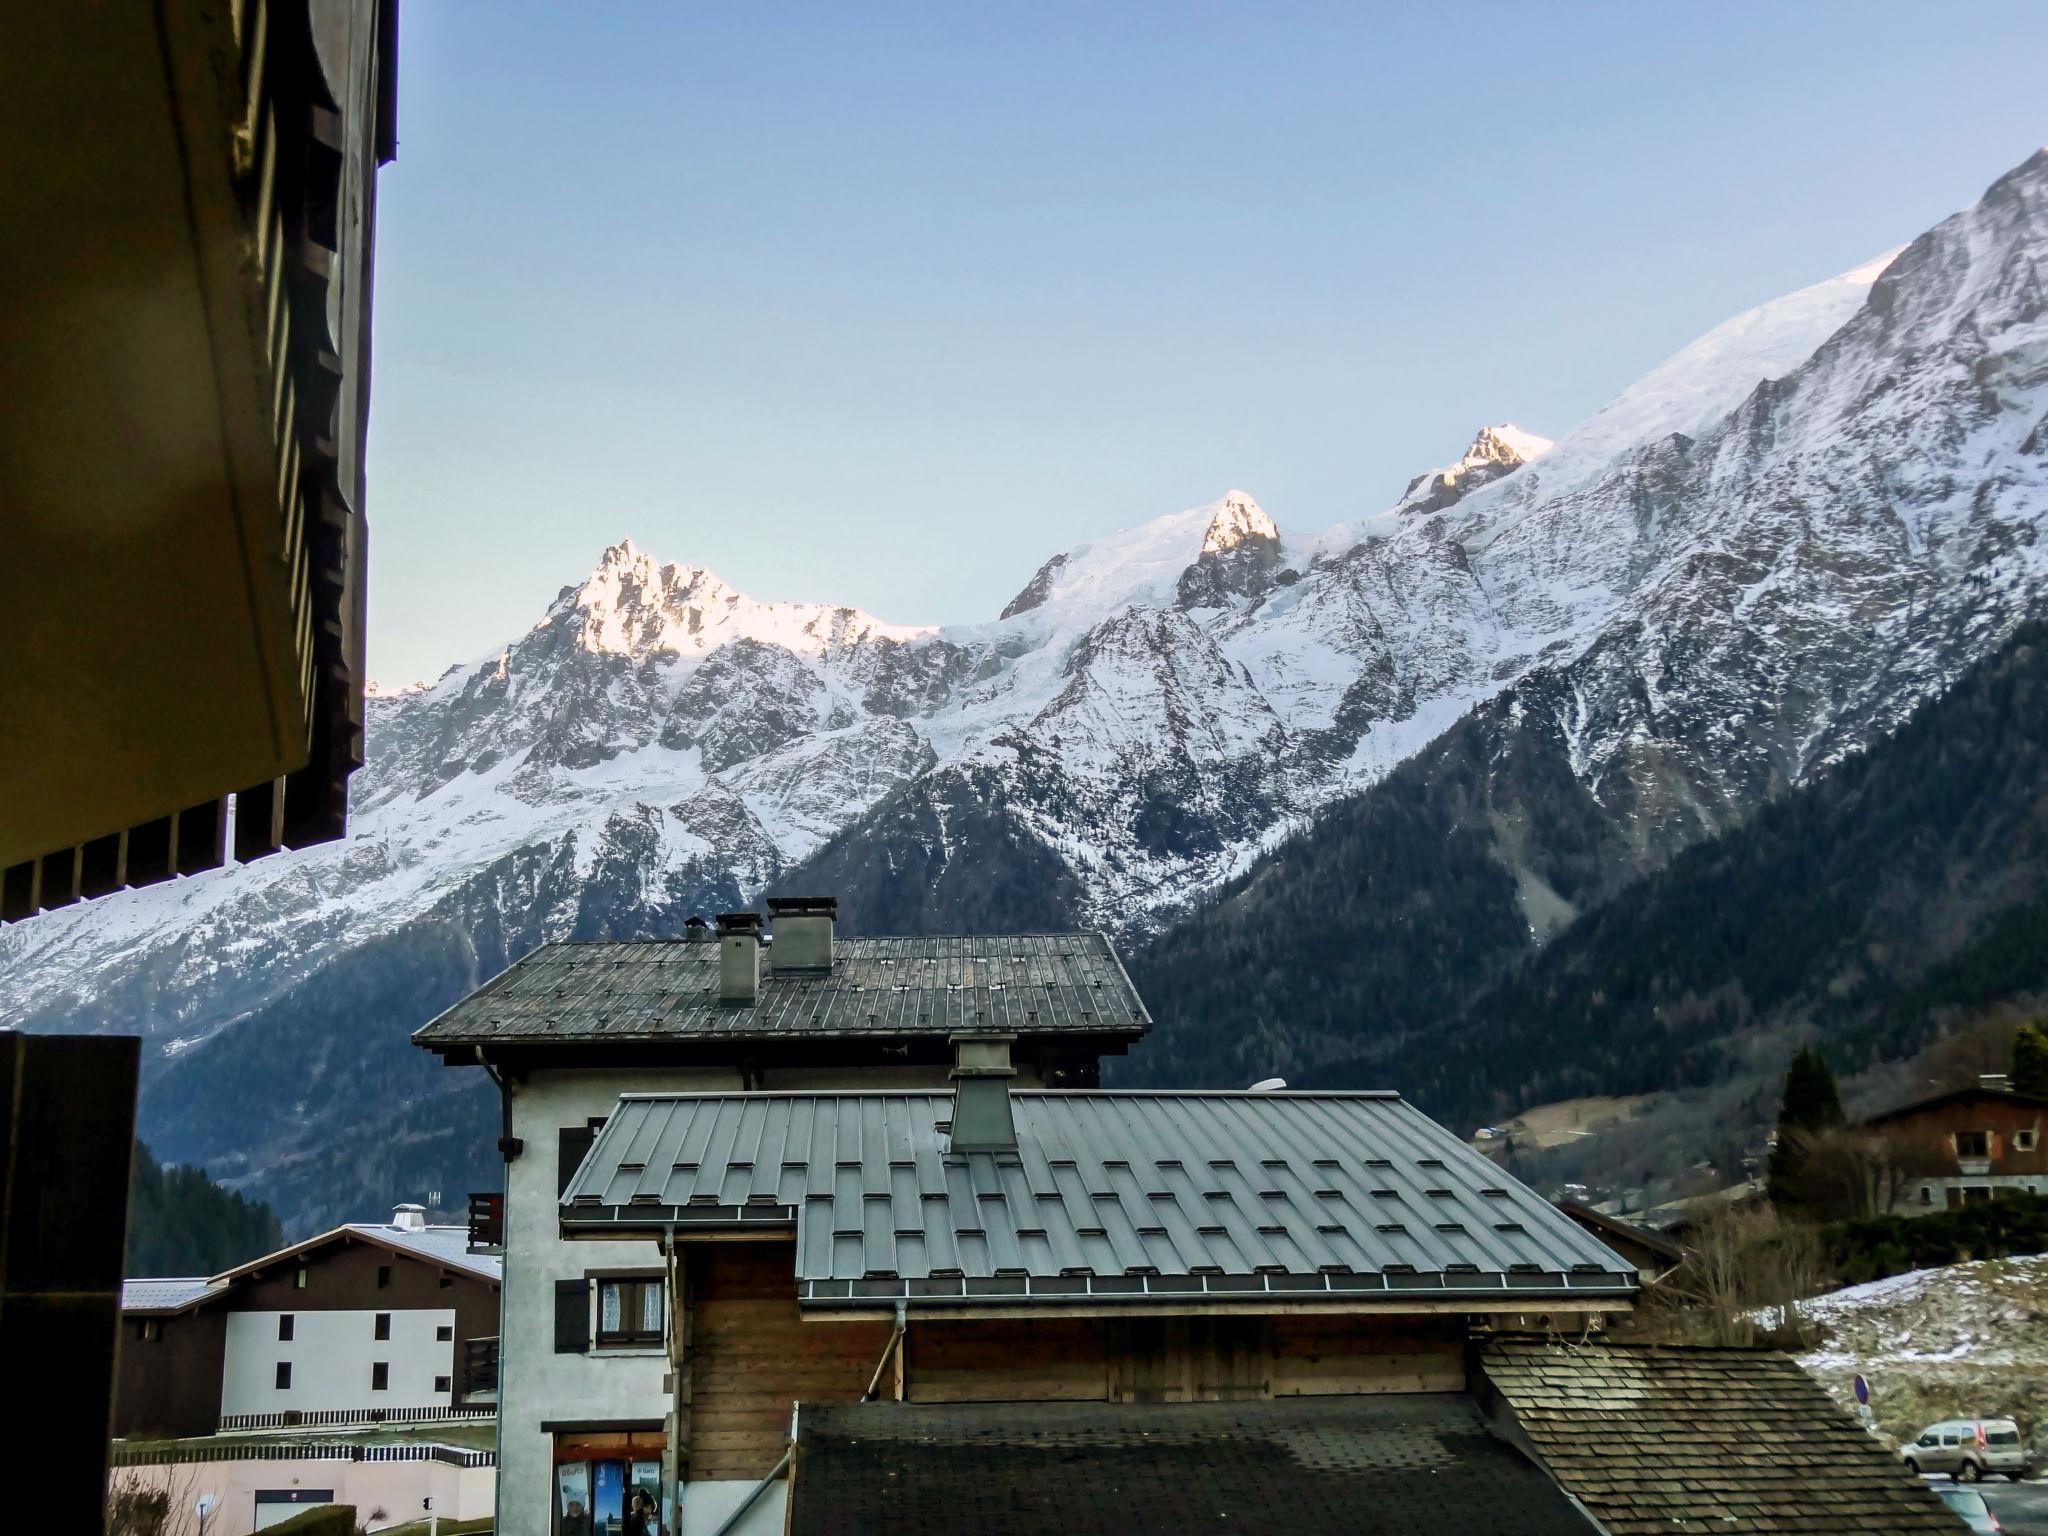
<point>749,1356</point>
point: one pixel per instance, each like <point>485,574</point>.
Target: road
<point>2022,1508</point>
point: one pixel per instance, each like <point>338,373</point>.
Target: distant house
<point>1653,1254</point>
<point>369,1321</point>
<point>1973,1144</point>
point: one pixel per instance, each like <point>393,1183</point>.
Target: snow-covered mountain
<point>1761,553</point>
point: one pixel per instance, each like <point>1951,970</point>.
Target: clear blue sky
<point>884,305</point>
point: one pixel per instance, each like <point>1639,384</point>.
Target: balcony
<point>479,1368</point>
<point>487,1222</point>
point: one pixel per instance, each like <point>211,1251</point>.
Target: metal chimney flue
<point>803,932</point>
<point>983,1120</point>
<point>739,957</point>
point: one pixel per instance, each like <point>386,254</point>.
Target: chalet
<point>813,1234</point>
<point>570,1028</point>
<point>1975,1143</point>
<point>369,1322</point>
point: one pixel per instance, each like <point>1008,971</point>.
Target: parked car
<point>1967,1449</point>
<point>1969,1503</point>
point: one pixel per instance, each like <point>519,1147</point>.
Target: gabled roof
<point>443,1247</point>
<point>1615,1229</point>
<point>667,990</point>
<point>1660,1438</point>
<point>167,1295</point>
<point>1959,1096</point>
<point>1286,1467</point>
<point>1126,1197</point>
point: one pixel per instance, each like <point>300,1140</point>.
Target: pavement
<point>2022,1508</point>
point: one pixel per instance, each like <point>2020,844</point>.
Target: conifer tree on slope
<point>2030,1059</point>
<point>1811,1105</point>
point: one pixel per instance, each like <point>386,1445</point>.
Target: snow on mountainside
<point>1494,452</point>
<point>1765,550</point>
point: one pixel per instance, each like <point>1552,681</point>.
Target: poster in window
<point>646,1480</point>
<point>572,1498</point>
<point>608,1497</point>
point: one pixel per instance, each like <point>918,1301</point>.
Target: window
<point>444,1334</point>
<point>1973,1143</point>
<point>1927,1194</point>
<point>299,1280</point>
<point>628,1312</point>
<point>443,1383</point>
<point>284,1375</point>
<point>383,1326</point>
<point>2025,1141</point>
<point>380,1376</point>
<point>383,1277</point>
<point>284,1327</point>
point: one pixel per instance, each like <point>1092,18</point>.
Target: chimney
<point>1997,1082</point>
<point>982,1121</point>
<point>803,931</point>
<point>739,957</point>
<point>409,1218</point>
<point>696,930</point>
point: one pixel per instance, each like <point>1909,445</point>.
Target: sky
<point>885,304</point>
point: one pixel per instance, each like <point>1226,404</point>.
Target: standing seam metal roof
<point>1125,1194</point>
<point>1031,984</point>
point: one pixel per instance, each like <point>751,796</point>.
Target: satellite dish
<point>1268,1085</point>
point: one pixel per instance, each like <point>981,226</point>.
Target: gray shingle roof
<point>1659,1438</point>
<point>439,1245</point>
<point>1063,983</point>
<point>1124,1195</point>
<point>1362,1466</point>
<point>166,1295</point>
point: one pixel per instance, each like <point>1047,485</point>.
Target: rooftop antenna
<point>1268,1085</point>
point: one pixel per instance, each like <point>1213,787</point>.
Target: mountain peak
<point>1495,451</point>
<point>1237,518</point>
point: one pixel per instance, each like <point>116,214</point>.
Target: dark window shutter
<point>572,1317</point>
<point>574,1142</point>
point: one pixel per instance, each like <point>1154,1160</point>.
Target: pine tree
<point>1811,1105</point>
<point>2030,1059</point>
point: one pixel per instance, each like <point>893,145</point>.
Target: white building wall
<point>537,1386</point>
<point>399,1488</point>
<point>1923,1197</point>
<point>330,1355</point>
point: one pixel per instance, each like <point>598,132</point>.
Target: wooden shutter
<point>572,1317</point>
<point>573,1141</point>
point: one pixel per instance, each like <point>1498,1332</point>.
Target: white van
<point>1967,1449</point>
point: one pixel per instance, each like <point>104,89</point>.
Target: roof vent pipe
<point>739,957</point>
<point>982,1119</point>
<point>803,931</point>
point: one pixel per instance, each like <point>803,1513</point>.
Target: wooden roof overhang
<point>184,298</point>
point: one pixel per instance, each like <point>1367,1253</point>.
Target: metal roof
<point>1126,1195</point>
<point>166,1295</point>
<point>438,1245</point>
<point>1031,984</point>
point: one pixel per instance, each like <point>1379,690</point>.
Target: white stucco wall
<point>706,1506</point>
<point>536,1385</point>
<point>1924,1197</point>
<point>396,1487</point>
<point>331,1354</point>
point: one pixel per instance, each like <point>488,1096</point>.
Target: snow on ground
<point>1965,1339</point>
